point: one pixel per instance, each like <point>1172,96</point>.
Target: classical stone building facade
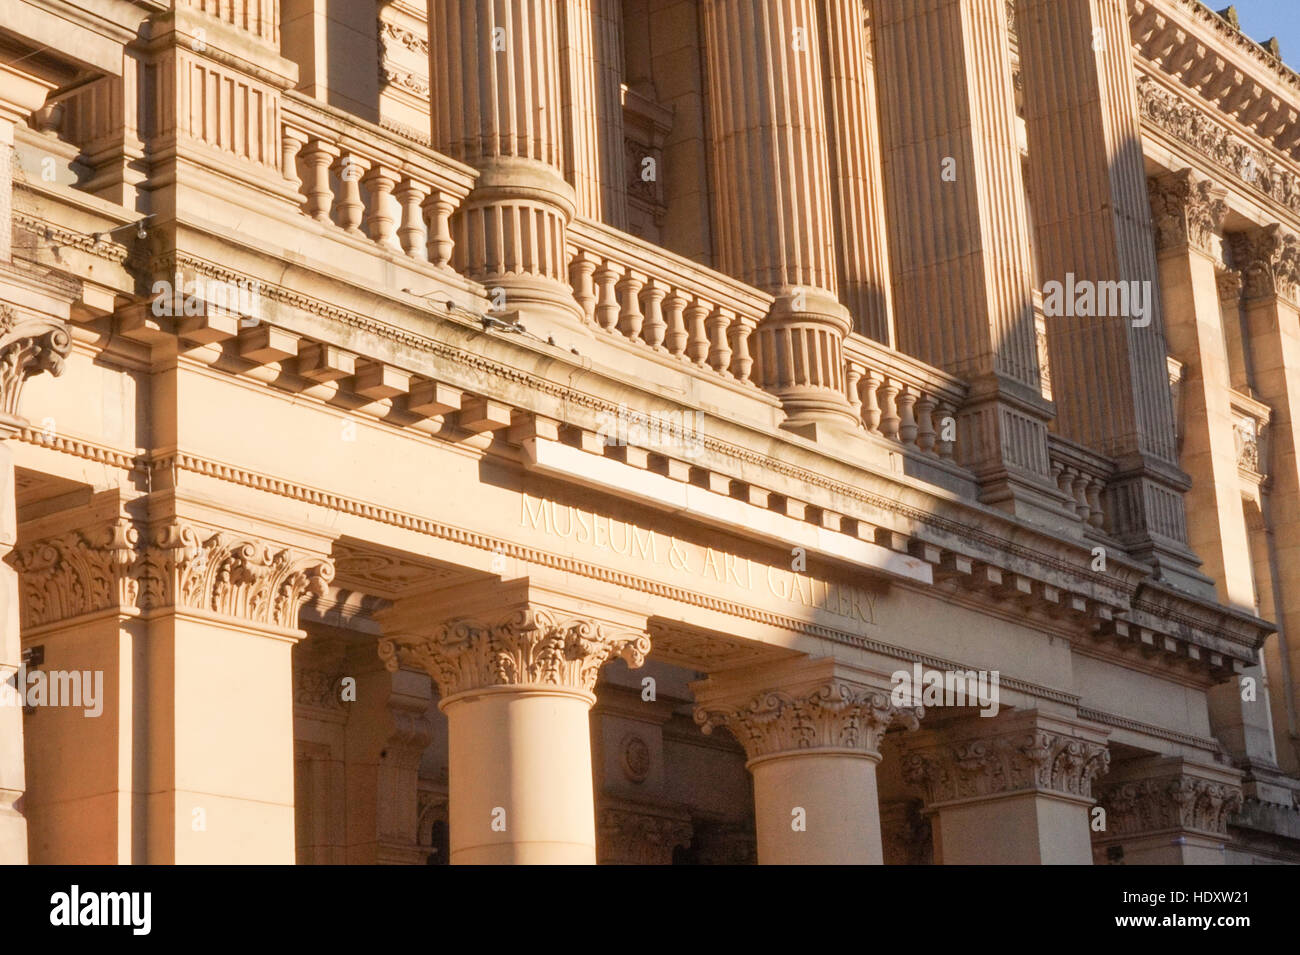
<point>543,430</point>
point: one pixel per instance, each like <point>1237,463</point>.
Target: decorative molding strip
<point>1123,722</point>
<point>1193,127</point>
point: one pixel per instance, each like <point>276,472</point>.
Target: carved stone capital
<point>530,646</point>
<point>833,715</point>
<point>231,575</point>
<point>1172,798</point>
<point>28,346</point>
<point>76,573</point>
<point>639,837</point>
<point>1229,284</point>
<point>1187,212</point>
<point>106,566</point>
<point>1269,261</point>
<point>1025,758</point>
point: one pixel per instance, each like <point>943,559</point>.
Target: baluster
<point>853,385</point>
<point>291,143</point>
<point>925,423</point>
<point>1065,481</point>
<point>1096,516</point>
<point>1081,508</point>
<point>696,317</point>
<point>889,417</point>
<point>630,318</point>
<point>380,182</point>
<point>871,402</point>
<point>947,416</point>
<point>720,350</point>
<point>906,416</point>
<point>351,209</point>
<point>437,208</point>
<point>655,326</point>
<point>318,157</point>
<point>674,315</point>
<point>607,301</point>
<point>742,363</point>
<point>581,270</point>
<point>415,237</point>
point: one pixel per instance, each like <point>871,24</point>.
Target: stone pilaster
<point>176,620</point>
<point>1165,812</point>
<point>516,664</point>
<point>812,733</point>
<point>497,79</point>
<point>857,187</point>
<point>958,234</point>
<point>1092,216</point>
<point>1014,789</point>
<point>28,346</point>
<point>1269,262</point>
<point>773,212</point>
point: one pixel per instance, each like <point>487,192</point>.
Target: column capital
<point>1147,796</point>
<point>1269,260</point>
<point>115,565</point>
<point>28,346</point>
<point>513,634</point>
<point>1186,211</point>
<point>814,705</point>
<point>1024,753</point>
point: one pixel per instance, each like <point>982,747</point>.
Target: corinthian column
<point>1110,375</point>
<point>516,665</point>
<point>772,196</point>
<point>958,236</point>
<point>28,346</point>
<point>497,78</point>
<point>856,179</point>
<point>1011,790</point>
<point>812,733</point>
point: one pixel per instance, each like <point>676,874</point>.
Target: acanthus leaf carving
<point>76,573</point>
<point>1186,211</point>
<point>28,346</point>
<point>531,646</point>
<point>834,715</point>
<point>1180,802</point>
<point>1269,260</point>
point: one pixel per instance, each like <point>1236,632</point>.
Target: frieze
<point>1225,149</point>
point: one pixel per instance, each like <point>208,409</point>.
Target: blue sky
<point>1261,19</point>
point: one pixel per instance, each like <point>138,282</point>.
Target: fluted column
<point>28,346</point>
<point>1093,219</point>
<point>812,733</point>
<point>1165,811</point>
<point>1009,790</point>
<point>1269,261</point>
<point>591,47</point>
<point>857,188</point>
<point>497,79</point>
<point>958,236</point>
<point>516,664</point>
<point>773,211</point>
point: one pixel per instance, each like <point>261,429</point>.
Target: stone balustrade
<point>664,302</point>
<point>1081,476</point>
<point>897,397</point>
<point>371,183</point>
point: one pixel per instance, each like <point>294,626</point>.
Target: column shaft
<point>814,808</point>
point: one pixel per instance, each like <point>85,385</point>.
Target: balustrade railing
<point>1081,476</point>
<point>371,183</point>
<point>669,304</point>
<point>902,399</point>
